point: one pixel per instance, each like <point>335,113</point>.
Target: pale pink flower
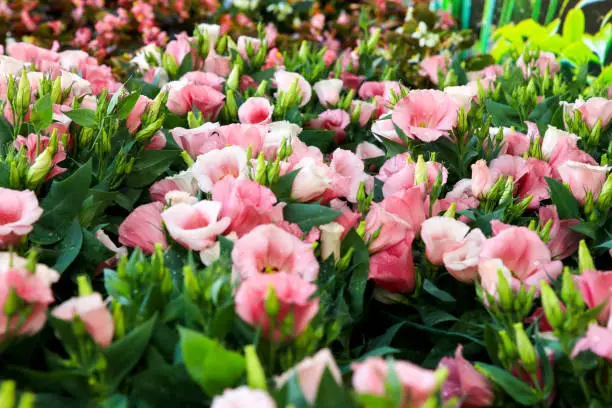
<point>462,261</point>
<point>367,150</point>
<point>215,165</point>
<point>393,165</point>
<point>133,120</point>
<point>19,210</point>
<point>348,174</point>
<point>514,143</point>
<point>332,119</point>
<point>294,296</point>
<point>370,89</point>
<point>546,60</point>
<point>204,78</point>
<point>366,111</point>
<point>247,203</point>
<point>199,140</point>
<point>243,397</point>
<point>311,182</point>
<point>92,311</point>
<point>143,228</point>
<point>426,115</point>
<point>196,226</point>
<point>245,136</point>
<point>179,48</point>
<point>284,81</point>
<point>393,268</point>
<point>595,109</point>
<point>596,288</point>
<point>582,178</point>
<point>277,132</point>
<point>465,382</point>
<point>553,137</point>
<point>371,377</point>
<point>433,66</point>
<point>31,53</point>
<point>490,72</point>
<point>462,95</point>
<point>598,340</point>
<point>217,64</point>
<point>384,128</point>
<point>328,91</point>
<point>562,240</point>
<point>183,181</point>
<point>405,177</point>
<point>256,111</point>
<point>310,372</point>
<point>441,235</point>
<point>182,98</point>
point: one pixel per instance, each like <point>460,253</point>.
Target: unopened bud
<point>525,348</point>
<point>118,319</point>
<point>84,285</point>
<point>545,232</point>
<point>271,303</point>
<point>37,173</point>
<point>450,212</point>
<point>551,305</point>
<point>23,94</point>
<point>420,175</point>
<point>345,261</point>
<point>192,287</point>
<point>331,235</point>
<point>605,197</point>
<point>585,260</point>
<point>27,400</point>
<point>261,88</point>
<point>256,378</point>
<point>233,80</point>
<point>56,92</point>
<point>7,394</point>
<point>170,65</point>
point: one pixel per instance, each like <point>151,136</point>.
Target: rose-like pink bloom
<point>243,397</point>
<point>348,174</point>
<point>367,150</point>
<point>204,78</point>
<point>598,340</point>
<point>30,144</point>
<point>309,373</point>
<point>462,261</point>
<point>242,45</point>
<point>329,57</point>
<point>521,256</point>
<point>277,132</point>
<point>426,115</point>
<point>143,228</point>
<point>332,119</point>
<point>370,89</point>
<point>441,235</point>
<point>199,140</point>
<point>405,177</point>
<point>183,181</point>
<point>179,48</point>
<point>565,152</point>
<point>553,138</point>
<point>393,166</point>
<point>562,241</point>
<point>270,249</point>
<point>462,95</point>
<point>284,80</point>
<point>514,143</point>
<point>545,60</point>
<point>247,203</point>
<point>274,59</point>
<point>366,111</point>
<point>92,311</point>
<point>312,181</point>
<point>431,66</point>
<point>196,226</point>
<point>256,111</point>
<point>465,382</point>
<point>328,91</point>
<point>371,377</point>
<point>34,290</point>
<point>100,77</point>
<point>393,267</point>
<point>490,72</point>
<point>157,141</point>
<point>61,122</point>
<point>73,84</point>
<point>19,210</point>
<point>217,64</point>
<point>294,296</point>
<point>182,98</point>
<point>534,182</point>
<point>215,165</point>
<point>351,81</point>
<point>582,178</point>
<point>595,109</point>
<point>31,53</point>
<point>133,120</point>
<point>596,288</point>
<point>384,128</point>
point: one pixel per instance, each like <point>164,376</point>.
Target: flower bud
<point>84,285</point>
<point>230,109</point>
<point>373,41</point>
<point>145,134</point>
<point>331,235</point>
<point>605,197</point>
<point>56,92</point>
<point>170,66</point>
<point>504,291</point>
<point>256,378</point>
<point>118,319</point>
<point>420,175</point>
<point>569,294</point>
<point>192,287</point>
<point>525,348</point>
<point>551,305</point>
<point>585,260</point>
<point>37,173</point>
<point>261,169</point>
<point>271,303</point>
<point>194,121</point>
<point>304,51</point>
<point>345,261</point>
<point>545,232</point>
<point>508,191</point>
<point>12,304</point>
<point>450,212</point>
<point>261,88</point>
<point>233,80</point>
<point>23,94</point>
<point>7,394</point>
<point>27,400</point>
<point>507,346</point>
<point>11,88</point>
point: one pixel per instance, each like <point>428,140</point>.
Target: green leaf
<point>331,394</point>
<point>586,228</point>
<point>502,115</point>
<point>573,27</point>
<point>307,216</point>
<point>92,250</point>
<point>83,117</point>
<point>5,174</point>
<point>186,65</point>
<point>69,247</point>
<point>123,355</point>
<point>158,387</point>
<point>514,387</point>
<point>431,316</point>
<point>94,205</point>
<point>125,105</point>
<point>149,166</point>
<point>323,139</point>
<point>61,206</point>
<point>6,133</point>
<point>42,113</point>
<point>393,148</point>
<point>209,363</point>
<point>433,290</point>
<point>562,197</point>
<point>359,269</point>
<point>265,74</point>
<point>282,187</point>
<point>543,113</point>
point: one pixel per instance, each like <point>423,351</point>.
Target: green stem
<point>487,21</point>
<point>552,8</point>
<point>535,14</point>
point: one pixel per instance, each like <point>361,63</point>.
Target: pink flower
<point>179,48</point>
<point>426,115</point>
<point>366,111</point>
<point>596,288</point>
<point>312,181</point>
<point>271,34</point>
<point>393,267</point>
<point>183,181</point>
<point>19,210</point>
<point>566,151</point>
<point>195,226</point>
<point>274,59</point>
<point>418,384</point>
<point>350,80</point>
<point>545,60</point>
<point>446,19</point>
<point>432,66</point>
<point>521,256</point>
<point>256,111</point>
<point>31,53</point>
<point>294,296</point>
<point>133,120</point>
<point>284,81</point>
<point>247,203</point>
<point>215,165</point>
<point>182,98</point>
<point>157,141</point>
<point>34,291</point>
<point>598,340</point>
<point>143,228</point>
<point>384,128</point>
<point>562,241</point>
<point>310,372</point>
<point>93,313</point>
<point>217,64</point>
<point>553,138</point>
<point>462,261</point>
<point>332,119</point>
<point>367,150</point>
<point>370,89</point>
<point>328,91</point>
<point>595,109</point>
<point>31,143</point>
<point>441,235</point>
<point>110,245</point>
<point>270,249</point>
<point>462,95</point>
<point>348,174</point>
<point>199,140</point>
<point>582,178</point>
<point>465,382</point>
<point>490,72</point>
<point>514,143</point>
<point>243,397</point>
<point>204,78</point>
<point>405,178</point>
<point>242,45</point>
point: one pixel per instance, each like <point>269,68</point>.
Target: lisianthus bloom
<point>183,181</point>
<point>92,311</point>
<point>143,228</point>
<point>582,178</point>
<point>463,95</point>
<point>195,226</point>
<point>520,255</point>
<point>31,145</point>
<point>247,203</point>
<point>598,340</point>
<point>594,110</point>
<point>204,78</point>
<point>19,210</point>
<point>596,288</point>
<point>199,140</point>
<point>284,80</point>
<point>31,53</point>
<point>332,119</point>
<point>370,89</point>
<point>179,48</point>
<point>546,60</point>
<point>384,128</point>
<point>371,376</point>
<point>256,111</point>
<point>393,268</point>
<point>312,181</point>
<point>465,382</point>
<point>294,296</point>
<point>277,132</point>
<point>514,143</point>
<point>405,177</point>
<point>348,174</point>
<point>432,66</point>
<point>244,135</point>
<point>553,138</point>
<point>217,64</point>
<point>215,165</point>
<point>309,373</point>
<point>242,45</point>
<point>268,249</point>
<point>366,111</point>
<point>133,120</point>
<point>562,240</point>
<point>426,114</point>
<point>328,91</point>
<point>489,72</point>
<point>243,397</point>
<point>367,150</point>
<point>183,97</point>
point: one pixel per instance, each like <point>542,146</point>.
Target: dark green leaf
<point>5,174</point>
<point>282,187</point>
<point>149,166</point>
<point>93,251</point>
<point>83,117</point>
<point>331,394</point>
<point>186,65</point>
<point>159,387</point>
<point>42,113</point>
<point>433,290</point>
<point>502,115</point>
<point>307,216</point>
<point>567,205</point>
<point>125,105</point>
<point>323,139</point>
<point>393,148</point>
<point>94,205</point>
<point>587,228</point>
<point>359,269</point>
<point>69,247</point>
<point>431,316</point>
<point>265,74</point>
<point>6,134</point>
<point>514,387</point>
<point>543,113</point>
